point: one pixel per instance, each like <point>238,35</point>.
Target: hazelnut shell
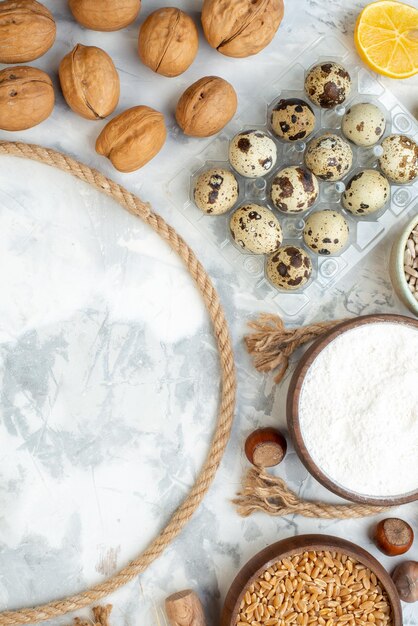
<point>132,138</point>
<point>27,30</point>
<point>89,82</point>
<point>206,107</point>
<point>26,97</point>
<point>105,15</point>
<point>393,536</point>
<point>265,447</point>
<point>240,28</point>
<point>168,41</point>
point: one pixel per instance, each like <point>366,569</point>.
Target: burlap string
<point>101,616</point>
<point>228,385</point>
<point>263,492</point>
<point>272,344</point>
<point>271,347</point>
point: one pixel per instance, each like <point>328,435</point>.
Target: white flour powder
<point>358,409</point>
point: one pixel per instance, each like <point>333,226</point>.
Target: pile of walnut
<point>168,43</point>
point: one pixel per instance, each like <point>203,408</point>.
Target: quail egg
<point>294,189</point>
<point>252,153</point>
<point>256,229</point>
<point>326,232</point>
<point>399,161</point>
<point>329,157</point>
<point>292,119</point>
<point>290,267</point>
<point>366,192</point>
<point>364,124</point>
<point>216,191</point>
<point>327,84</point>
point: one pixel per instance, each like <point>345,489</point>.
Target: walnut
<point>206,107</point>
<point>89,82</point>
<point>132,138</point>
<point>27,30</point>
<point>239,28</point>
<point>105,15</point>
<point>168,41</point>
<point>26,97</point>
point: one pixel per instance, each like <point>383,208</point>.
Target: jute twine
<point>228,384</point>
<point>271,346</point>
<point>263,492</point>
<point>101,616</point>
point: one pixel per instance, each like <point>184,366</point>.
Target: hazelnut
<point>393,536</point>
<point>265,447</point>
<point>405,577</point>
<point>27,30</point>
<point>239,28</point>
<point>168,41</point>
<point>206,107</point>
<point>89,82</point>
<point>132,138</point>
<point>26,97</point>
<point>105,15</point>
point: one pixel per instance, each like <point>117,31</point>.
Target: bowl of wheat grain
<point>312,580</point>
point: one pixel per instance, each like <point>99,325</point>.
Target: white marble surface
<point>107,364</point>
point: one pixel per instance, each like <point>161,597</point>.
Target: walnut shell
<point>105,15</point>
<point>206,107</point>
<point>168,41</point>
<point>239,28</point>
<point>26,97</point>
<point>132,138</point>
<point>89,82</point>
<point>27,30</point>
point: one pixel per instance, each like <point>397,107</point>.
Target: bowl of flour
<point>352,409</point>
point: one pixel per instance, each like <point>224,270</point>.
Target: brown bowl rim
<point>292,410</point>
<point>294,545</point>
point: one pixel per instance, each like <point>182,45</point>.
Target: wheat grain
<point>315,588</point>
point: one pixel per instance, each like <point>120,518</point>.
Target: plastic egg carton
<point>365,231</point>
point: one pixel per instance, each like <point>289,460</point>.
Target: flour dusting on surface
<point>358,409</point>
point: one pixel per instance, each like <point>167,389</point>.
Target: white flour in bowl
<point>358,409</point>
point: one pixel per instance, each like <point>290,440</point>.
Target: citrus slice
<point>386,38</point>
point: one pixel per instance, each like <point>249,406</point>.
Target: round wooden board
<point>292,410</point>
<point>294,545</point>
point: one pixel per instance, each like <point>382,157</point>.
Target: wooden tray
<point>293,409</point>
<point>294,545</point>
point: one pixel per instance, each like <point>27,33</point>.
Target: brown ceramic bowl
<point>292,546</point>
<point>293,423</point>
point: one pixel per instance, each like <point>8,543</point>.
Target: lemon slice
<point>386,38</point>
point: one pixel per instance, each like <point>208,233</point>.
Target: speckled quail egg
<point>290,267</point>
<point>326,232</point>
<point>294,189</point>
<point>364,124</point>
<point>292,119</point>
<point>327,84</point>
<point>252,153</point>
<point>366,192</point>
<point>399,161</point>
<point>215,191</point>
<point>256,229</point>
<point>329,157</point>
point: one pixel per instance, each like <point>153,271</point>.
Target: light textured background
<point>107,365</point>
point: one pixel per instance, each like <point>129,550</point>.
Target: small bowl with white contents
<point>352,410</point>
<point>403,266</point>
